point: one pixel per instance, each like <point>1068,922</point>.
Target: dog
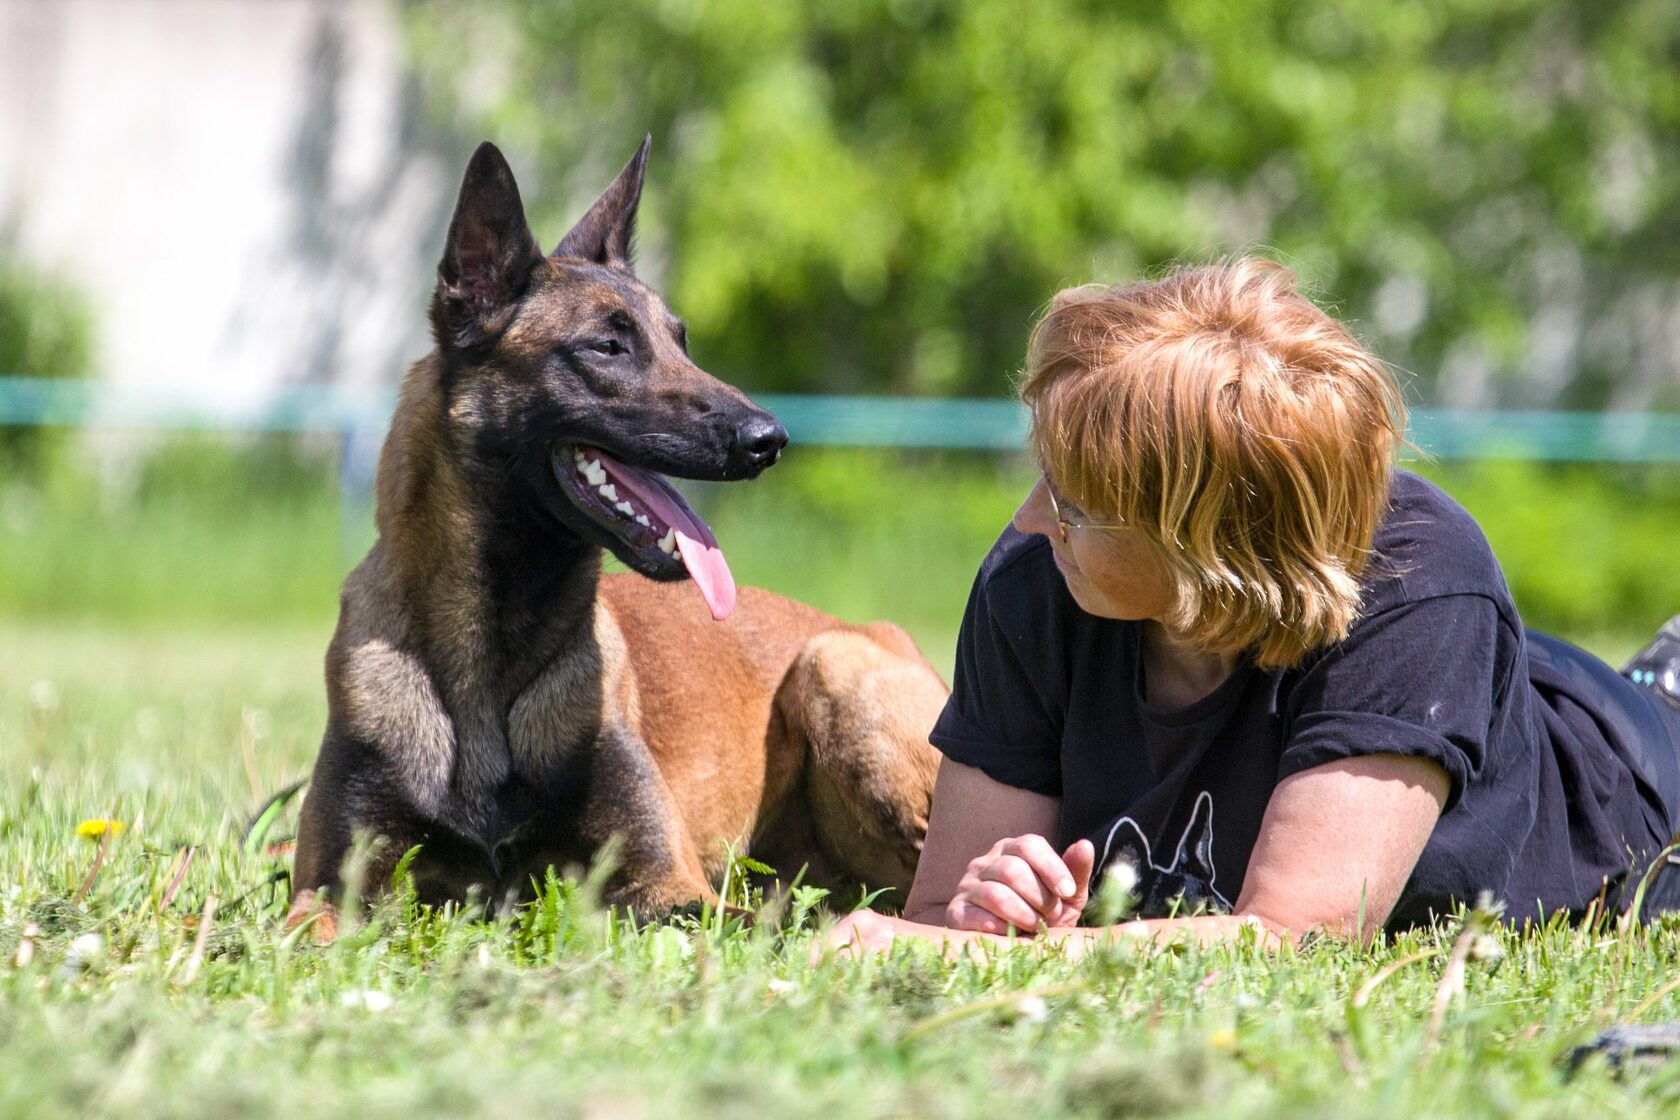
<point>498,702</point>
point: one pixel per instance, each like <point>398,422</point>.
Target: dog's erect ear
<point>1195,848</point>
<point>1127,844</point>
<point>603,235</point>
<point>488,257</point>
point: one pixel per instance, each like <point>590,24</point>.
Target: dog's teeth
<point>609,492</point>
<point>578,457</point>
<point>641,519</point>
<point>668,543</point>
<point>625,508</point>
<point>593,472</point>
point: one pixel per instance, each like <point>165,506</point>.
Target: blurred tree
<point>881,194</point>
<point>45,331</point>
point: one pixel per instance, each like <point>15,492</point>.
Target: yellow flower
<point>1223,1039</point>
<point>96,828</point>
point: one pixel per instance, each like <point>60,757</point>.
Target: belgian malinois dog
<point>499,702</point>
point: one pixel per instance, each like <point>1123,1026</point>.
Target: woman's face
<point>1110,572</point>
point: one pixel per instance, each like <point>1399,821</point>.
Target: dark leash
<point>254,841</point>
<point>1631,1045</point>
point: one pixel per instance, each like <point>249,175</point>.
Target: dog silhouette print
<point>1186,884</point>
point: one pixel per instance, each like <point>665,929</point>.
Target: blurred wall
<point>244,189</point>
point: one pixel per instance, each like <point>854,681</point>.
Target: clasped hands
<point>1020,883</point>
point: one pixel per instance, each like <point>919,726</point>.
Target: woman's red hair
<point>1245,432</point>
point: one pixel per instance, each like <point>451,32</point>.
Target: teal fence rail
<point>359,420</point>
<point>833,420</point>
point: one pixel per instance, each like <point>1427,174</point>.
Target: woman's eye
<point>607,346</point>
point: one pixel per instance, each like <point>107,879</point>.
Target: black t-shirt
<point>1553,794</point>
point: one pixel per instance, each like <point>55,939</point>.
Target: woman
<point>1227,648</point>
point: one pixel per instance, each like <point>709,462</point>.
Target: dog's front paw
<point>321,915</point>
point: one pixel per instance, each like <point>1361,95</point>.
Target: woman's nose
<point>1035,515</point>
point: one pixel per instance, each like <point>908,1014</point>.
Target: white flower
<point>83,952</point>
<point>1033,1009</point>
<point>44,695</point>
<point>1123,875</point>
<point>1486,947</point>
<point>368,999</point>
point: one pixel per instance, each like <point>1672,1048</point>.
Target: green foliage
<point>45,331</point>
<point>1587,549</point>
<point>195,532</point>
<point>204,533</point>
<point>126,1004</point>
<point>881,193</point>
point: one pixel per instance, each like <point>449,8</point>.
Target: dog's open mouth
<point>647,513</point>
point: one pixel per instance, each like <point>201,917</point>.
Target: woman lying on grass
<point>1227,644</point>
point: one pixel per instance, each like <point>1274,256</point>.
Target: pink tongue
<point>710,573</point>
<point>695,542</point>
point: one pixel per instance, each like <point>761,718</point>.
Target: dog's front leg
<point>352,824</point>
<point>630,810</point>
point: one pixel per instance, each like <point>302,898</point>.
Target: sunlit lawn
<point>163,669</point>
<point>122,1009</point>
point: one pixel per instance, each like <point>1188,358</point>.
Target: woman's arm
<point>971,814</point>
<point>1335,849</point>
<point>1339,841</point>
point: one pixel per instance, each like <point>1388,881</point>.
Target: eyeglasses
<point>1064,522</point>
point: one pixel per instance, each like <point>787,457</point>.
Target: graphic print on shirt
<point>1188,879</point>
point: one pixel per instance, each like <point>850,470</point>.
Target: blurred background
<point>219,221</point>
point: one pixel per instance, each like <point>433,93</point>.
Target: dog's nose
<point>760,440</point>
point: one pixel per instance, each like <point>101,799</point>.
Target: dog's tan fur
<point>496,700</point>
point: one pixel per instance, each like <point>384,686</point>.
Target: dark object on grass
<point>1657,666</point>
<point>262,821</point>
<point>1631,1045</point>
<point>1662,888</point>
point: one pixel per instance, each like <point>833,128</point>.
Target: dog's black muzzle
<point>757,443</point>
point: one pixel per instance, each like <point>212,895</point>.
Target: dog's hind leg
<point>861,703</point>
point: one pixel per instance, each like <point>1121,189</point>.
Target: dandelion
<point>1123,876</point>
<point>369,999</point>
<point>1486,948</point>
<point>84,952</point>
<point>1033,1009</point>
<point>1114,894</point>
<point>98,828</point>
<point>44,695</point>
<point>1223,1039</point>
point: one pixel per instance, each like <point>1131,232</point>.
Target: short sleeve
<point>1420,679</point>
<point>999,715</point>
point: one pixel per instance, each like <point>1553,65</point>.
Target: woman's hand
<point>1022,882</point>
<point>861,933</point>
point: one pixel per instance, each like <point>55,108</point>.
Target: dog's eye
<point>607,346</point>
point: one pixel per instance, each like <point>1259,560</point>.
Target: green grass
<point>162,651</point>
<point>560,1011</point>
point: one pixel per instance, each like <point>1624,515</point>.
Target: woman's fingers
<point>1022,882</point>
<point>962,914</point>
<point>1016,874</point>
<point>1081,860</point>
<point>1046,864</point>
<point>1003,903</point>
